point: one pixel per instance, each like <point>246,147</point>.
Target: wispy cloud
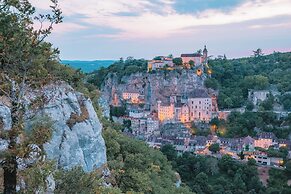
<point>158,18</point>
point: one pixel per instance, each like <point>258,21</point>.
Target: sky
<point>110,29</point>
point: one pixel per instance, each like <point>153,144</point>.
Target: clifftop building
<point>162,62</point>
<point>197,58</point>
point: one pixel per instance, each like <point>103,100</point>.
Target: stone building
<point>161,63</point>
<point>200,105</point>
<point>131,96</point>
<point>197,58</point>
<point>165,111</point>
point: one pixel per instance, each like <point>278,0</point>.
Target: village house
<point>265,140</point>
<point>182,112</point>
<point>135,113</point>
<point>258,96</point>
<point>165,111</point>
<point>263,159</point>
<point>196,106</point>
<point>152,126</point>
<point>200,104</point>
<point>133,96</point>
<point>159,64</point>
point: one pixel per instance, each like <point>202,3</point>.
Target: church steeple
<point>205,54</point>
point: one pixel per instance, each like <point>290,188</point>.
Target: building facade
<point>133,97</point>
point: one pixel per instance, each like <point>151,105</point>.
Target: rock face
<point>152,86</point>
<point>77,139</point>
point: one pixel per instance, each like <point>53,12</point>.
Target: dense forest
<point>219,176</point>
<point>234,77</point>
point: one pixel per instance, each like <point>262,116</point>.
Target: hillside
<point>235,77</point>
<point>88,66</point>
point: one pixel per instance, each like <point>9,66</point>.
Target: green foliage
<point>191,63</point>
<point>251,162</point>
<point>211,175</point>
<point>40,130</point>
<point>117,111</point>
<point>237,76</point>
<point>288,168</point>
<point>136,167</point>
<point>169,151</point>
<point>268,103</point>
<point>257,82</point>
<point>277,182</point>
<point>286,101</point>
<point>214,147</point>
<point>249,106</point>
<point>243,124</point>
<point>35,177</point>
<point>211,83</point>
<point>178,61</point>
<point>120,69</point>
<point>76,181</point>
<point>281,153</point>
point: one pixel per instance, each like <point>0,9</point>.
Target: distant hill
<point>88,66</point>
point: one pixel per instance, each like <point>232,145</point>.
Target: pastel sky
<point>110,29</point>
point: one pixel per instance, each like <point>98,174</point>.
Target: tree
<point>191,63</point>
<point>258,53</point>
<point>250,106</point>
<point>214,147</point>
<point>169,151</point>
<point>24,60</point>
<point>178,61</point>
<point>251,162</point>
<point>211,83</point>
<point>288,168</point>
<point>228,102</point>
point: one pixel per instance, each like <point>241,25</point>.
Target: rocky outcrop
<point>154,86</point>
<point>77,138</point>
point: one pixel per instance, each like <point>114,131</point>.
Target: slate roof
<point>191,55</point>
<point>266,135</point>
<point>198,93</point>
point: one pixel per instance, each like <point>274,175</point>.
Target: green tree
<point>251,162</point>
<point>288,168</point>
<point>178,61</point>
<point>24,61</point>
<point>250,106</point>
<point>258,52</point>
<point>169,151</point>
<point>191,63</point>
<point>228,102</point>
<point>214,147</point>
<point>211,83</point>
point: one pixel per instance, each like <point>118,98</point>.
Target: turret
<point>205,55</point>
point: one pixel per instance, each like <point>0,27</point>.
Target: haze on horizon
<point>97,29</point>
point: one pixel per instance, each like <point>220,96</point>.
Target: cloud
<point>158,18</point>
<point>279,25</point>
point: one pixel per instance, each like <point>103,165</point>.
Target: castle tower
<point>205,55</point>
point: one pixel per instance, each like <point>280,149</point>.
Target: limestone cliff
<point>77,139</point>
<point>153,86</point>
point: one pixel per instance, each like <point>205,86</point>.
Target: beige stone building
<point>200,105</point>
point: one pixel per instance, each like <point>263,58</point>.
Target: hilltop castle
<point>198,60</point>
